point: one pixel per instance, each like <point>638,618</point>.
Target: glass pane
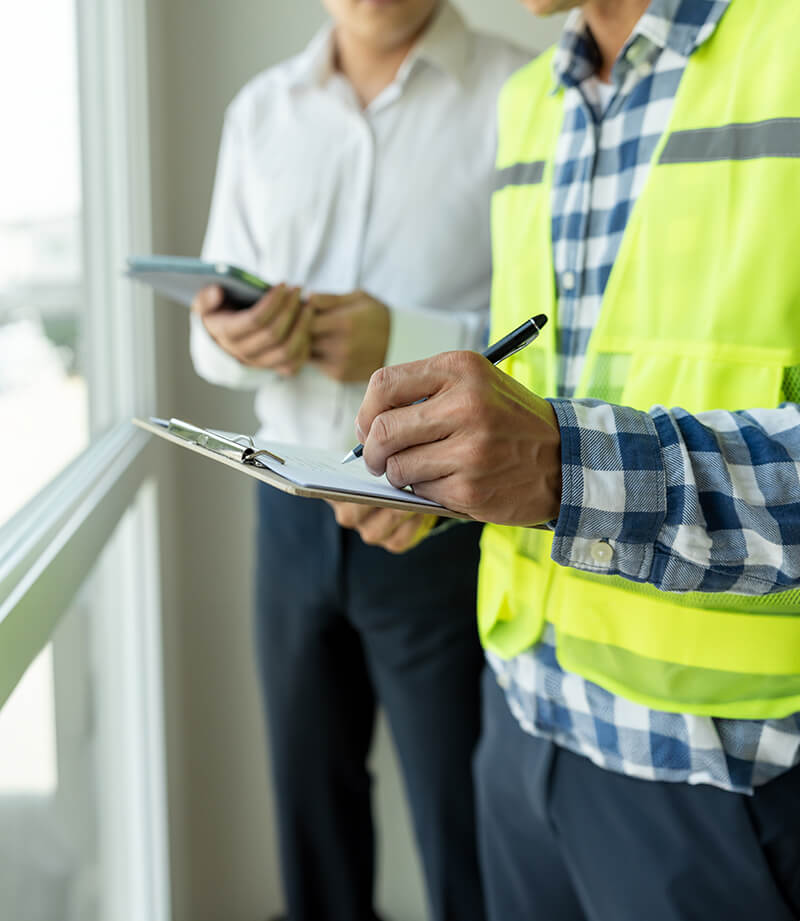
<point>60,803</point>
<point>82,837</point>
<point>48,802</point>
<point>42,381</point>
<point>28,730</point>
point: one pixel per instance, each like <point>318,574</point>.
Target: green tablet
<point>179,278</point>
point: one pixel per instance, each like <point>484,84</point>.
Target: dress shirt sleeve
<point>418,333</point>
<point>707,502</point>
<point>216,366</point>
<point>228,239</point>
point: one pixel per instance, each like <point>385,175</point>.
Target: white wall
<point>224,856</point>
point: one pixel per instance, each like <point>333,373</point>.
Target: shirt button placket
<point>367,176</point>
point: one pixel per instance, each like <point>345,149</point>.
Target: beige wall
<point>224,858</point>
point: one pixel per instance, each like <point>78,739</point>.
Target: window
<point>73,738</point>
<point>42,373</point>
<point>81,751</point>
<point>27,729</point>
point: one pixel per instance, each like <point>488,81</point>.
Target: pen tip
<point>540,320</point>
<point>348,457</point>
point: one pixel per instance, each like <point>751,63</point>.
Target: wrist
<point>551,466</point>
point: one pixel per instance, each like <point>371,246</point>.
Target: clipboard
<point>262,462</point>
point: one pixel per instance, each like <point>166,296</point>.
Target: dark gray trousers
<point>564,840</point>
<point>340,627</point>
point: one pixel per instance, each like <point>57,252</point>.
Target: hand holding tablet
<point>260,325</point>
<point>180,278</point>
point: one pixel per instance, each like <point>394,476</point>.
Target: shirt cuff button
<point>602,552</point>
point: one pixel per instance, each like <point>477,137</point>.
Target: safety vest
<point>701,311</point>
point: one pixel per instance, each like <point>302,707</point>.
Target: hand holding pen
<point>481,443</point>
<point>504,348</point>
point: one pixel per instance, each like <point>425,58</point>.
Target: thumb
<point>208,299</point>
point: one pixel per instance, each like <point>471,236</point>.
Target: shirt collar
<point>314,65</point>
<point>679,25</point>
<point>444,44</point>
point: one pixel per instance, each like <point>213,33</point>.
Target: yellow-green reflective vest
<point>701,311</point>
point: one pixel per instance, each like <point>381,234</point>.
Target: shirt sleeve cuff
<point>218,367</point>
<point>417,333</point>
<point>613,499</point>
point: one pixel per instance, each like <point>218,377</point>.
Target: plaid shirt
<point>709,502</point>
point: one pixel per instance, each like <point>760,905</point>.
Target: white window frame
<point>49,547</point>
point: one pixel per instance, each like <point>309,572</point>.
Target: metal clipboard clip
<point>239,448</point>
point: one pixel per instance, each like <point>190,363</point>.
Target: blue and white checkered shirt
<point>720,509</point>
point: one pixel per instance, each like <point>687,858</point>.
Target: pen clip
<point>519,348</point>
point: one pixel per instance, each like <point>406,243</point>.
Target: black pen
<point>502,349</point>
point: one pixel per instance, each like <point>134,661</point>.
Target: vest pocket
<point>697,382</point>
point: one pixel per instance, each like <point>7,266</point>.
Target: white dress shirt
<point>315,191</point>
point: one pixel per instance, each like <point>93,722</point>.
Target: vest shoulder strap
<point>525,105</point>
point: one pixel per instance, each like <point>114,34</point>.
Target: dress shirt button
<point>503,680</point>
<point>568,281</point>
<point>602,552</point>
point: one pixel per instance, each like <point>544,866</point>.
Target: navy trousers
<point>340,627</point>
<point>564,840</point>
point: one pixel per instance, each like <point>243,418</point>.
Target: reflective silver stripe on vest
<point>519,174</point>
<point>777,137</point>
